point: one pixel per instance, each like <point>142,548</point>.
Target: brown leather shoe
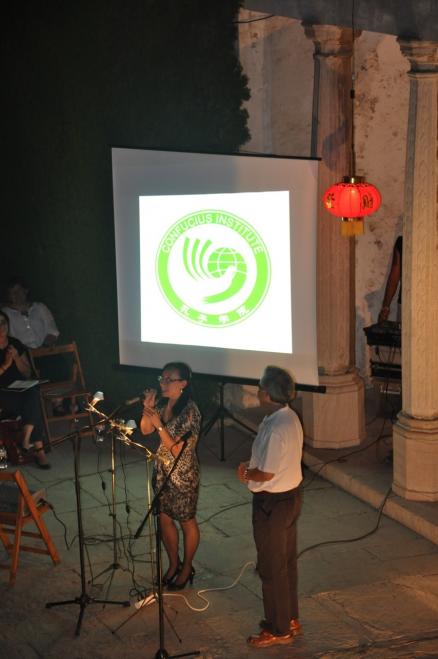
<point>265,639</point>
<point>294,626</point>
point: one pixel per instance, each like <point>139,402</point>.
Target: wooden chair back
<point>60,366</point>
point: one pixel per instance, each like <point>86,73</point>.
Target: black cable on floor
<point>360,537</point>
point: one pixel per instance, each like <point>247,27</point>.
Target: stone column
<point>335,419</point>
<point>416,430</point>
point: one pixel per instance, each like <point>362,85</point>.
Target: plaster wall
<point>381,112</point>
<point>278,60</point>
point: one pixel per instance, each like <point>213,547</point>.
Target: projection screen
<point>215,258</point>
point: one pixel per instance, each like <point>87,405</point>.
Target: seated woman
<point>30,322</point>
<point>14,365</point>
<point>33,324</point>
<point>177,420</point>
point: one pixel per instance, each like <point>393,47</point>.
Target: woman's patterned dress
<point>179,497</point>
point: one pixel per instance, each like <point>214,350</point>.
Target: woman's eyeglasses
<point>168,380</point>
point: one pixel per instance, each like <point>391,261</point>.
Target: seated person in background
<point>394,278</point>
<point>29,322</point>
<point>14,365</point>
<point>32,324</point>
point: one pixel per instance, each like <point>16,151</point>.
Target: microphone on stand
<point>129,427</point>
<point>125,427</point>
<point>97,397</point>
<point>133,401</point>
<point>138,399</point>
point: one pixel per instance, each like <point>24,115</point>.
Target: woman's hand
<point>13,352</point>
<point>149,399</point>
<point>8,360</point>
<point>151,414</point>
<point>20,361</point>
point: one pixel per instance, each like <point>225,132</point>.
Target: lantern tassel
<point>352,226</point>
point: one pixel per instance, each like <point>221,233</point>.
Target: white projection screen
<point>215,258</point>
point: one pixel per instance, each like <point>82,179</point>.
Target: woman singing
<point>14,365</point>
<point>177,420</point>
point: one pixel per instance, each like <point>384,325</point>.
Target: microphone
<point>125,427</point>
<point>138,399</point>
<point>97,397</point>
<point>132,401</point>
<point>129,427</point>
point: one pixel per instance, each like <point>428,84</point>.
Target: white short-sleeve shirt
<point>31,328</point>
<point>277,449</point>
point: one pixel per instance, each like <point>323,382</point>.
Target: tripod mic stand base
<point>83,601</point>
<point>113,567</point>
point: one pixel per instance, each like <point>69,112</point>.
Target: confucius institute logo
<point>213,268</point>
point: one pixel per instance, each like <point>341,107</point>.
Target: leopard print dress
<point>179,497</point>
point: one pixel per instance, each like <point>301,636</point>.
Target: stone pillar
<point>335,419</point>
<point>416,430</point>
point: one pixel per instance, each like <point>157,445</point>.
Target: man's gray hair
<point>279,384</point>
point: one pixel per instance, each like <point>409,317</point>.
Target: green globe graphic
<point>224,257</point>
<point>218,263</point>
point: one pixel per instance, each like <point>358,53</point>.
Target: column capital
<point>331,40</point>
<point>422,55</point>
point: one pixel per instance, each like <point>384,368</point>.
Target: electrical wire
<point>360,537</point>
<point>254,20</point>
<point>139,590</point>
<point>339,458</point>
<point>200,593</point>
<point>223,510</point>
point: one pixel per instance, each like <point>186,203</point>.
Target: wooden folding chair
<point>61,365</point>
<point>17,508</point>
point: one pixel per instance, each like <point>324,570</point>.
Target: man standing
<point>273,475</point>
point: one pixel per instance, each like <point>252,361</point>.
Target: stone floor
<point>376,597</point>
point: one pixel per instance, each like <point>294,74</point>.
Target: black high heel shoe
<point>181,586</point>
<point>167,579</point>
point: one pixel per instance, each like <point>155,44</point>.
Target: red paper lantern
<point>352,200</point>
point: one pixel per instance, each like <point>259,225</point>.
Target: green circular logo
<point>213,268</point>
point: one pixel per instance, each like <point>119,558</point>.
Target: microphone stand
<point>115,426</point>
<point>155,509</point>
<point>83,600</point>
<point>115,565</point>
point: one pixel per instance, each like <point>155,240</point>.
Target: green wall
<point>78,78</point>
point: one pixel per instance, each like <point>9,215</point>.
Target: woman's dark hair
<point>5,316</point>
<point>279,384</point>
<point>185,373</point>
